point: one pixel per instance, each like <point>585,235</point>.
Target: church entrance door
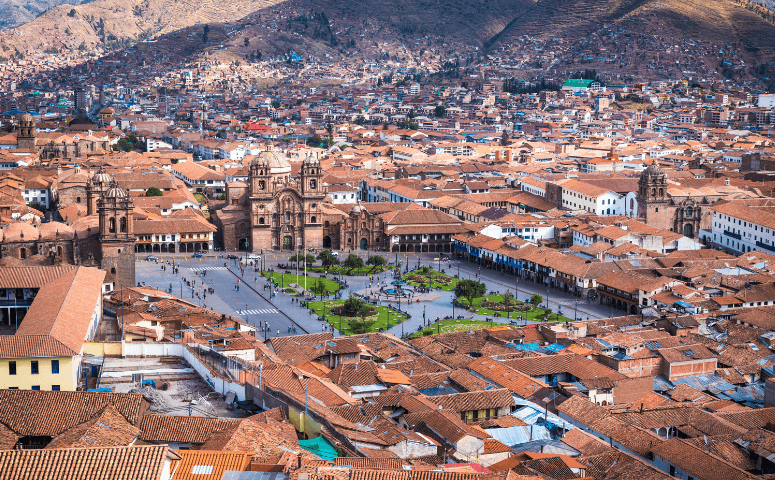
<point>287,243</point>
<point>326,242</point>
<point>364,244</point>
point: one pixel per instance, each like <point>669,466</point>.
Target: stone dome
<point>25,118</point>
<point>55,231</point>
<point>20,232</point>
<point>653,170</point>
<point>102,177</point>
<point>114,191</point>
<point>357,208</point>
<point>276,162</point>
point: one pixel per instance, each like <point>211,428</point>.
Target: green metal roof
<point>320,447</point>
<point>577,82</point>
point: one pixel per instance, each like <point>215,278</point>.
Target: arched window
<point>113,270</point>
<point>349,241</point>
<point>689,212</point>
<point>287,217</point>
<point>653,191</point>
<point>632,204</point>
<point>77,199</point>
<point>363,225</point>
<point>23,253</point>
<point>112,225</point>
<point>261,221</point>
<point>123,224</point>
<point>661,192</point>
<point>261,184</point>
<point>327,224</point>
<point>313,184</point>
<point>313,219</point>
<point>60,251</point>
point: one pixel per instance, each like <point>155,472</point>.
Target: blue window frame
<point>54,366</point>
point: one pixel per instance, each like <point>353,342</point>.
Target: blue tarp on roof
<point>525,346</point>
<point>684,304</point>
<point>319,447</point>
<point>556,347</point>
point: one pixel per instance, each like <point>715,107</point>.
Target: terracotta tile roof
<point>726,449</point>
<point>505,376</point>
<point>107,429</point>
<point>31,277</point>
<point>697,462</point>
<point>136,463</point>
<point>576,365</point>
<point>749,419</point>
<point>26,412</point>
<point>206,465</point>
<point>63,307</point>
<point>464,402</point>
<point>369,463</point>
<point>616,465</point>
<point>7,438</point>
<point>181,429</point>
<point>22,346</point>
<point>446,425</point>
<point>585,443</point>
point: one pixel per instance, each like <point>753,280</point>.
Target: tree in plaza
<point>309,258</point>
<point>536,299</point>
<point>327,258</point>
<point>299,257</point>
<point>470,289</point>
<point>353,261</point>
<point>356,307</point>
<point>153,192</point>
<point>318,288</point>
<point>376,260</point>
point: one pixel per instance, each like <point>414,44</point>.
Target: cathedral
<point>681,208</point>
<point>275,210</point>
<point>104,238</point>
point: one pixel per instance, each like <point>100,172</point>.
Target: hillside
<point>709,20</point>
<point>121,22</point>
<point>17,12</point>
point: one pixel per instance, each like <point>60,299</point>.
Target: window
<point>11,368</point>
<point>23,253</point>
<point>123,224</point>
<point>55,388</point>
<point>112,225</point>
<point>672,470</point>
<point>54,366</point>
<point>36,387</point>
<point>77,199</point>
<point>34,367</point>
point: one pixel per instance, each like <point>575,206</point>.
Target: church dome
<point>357,208</point>
<point>102,177</point>
<point>20,232</point>
<point>276,162</point>
<point>114,191</point>
<point>55,230</point>
<point>25,118</point>
<point>653,170</point>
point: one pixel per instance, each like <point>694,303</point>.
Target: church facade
<point>677,208</point>
<point>274,210</point>
<point>104,238</point>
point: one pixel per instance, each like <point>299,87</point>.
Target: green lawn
<point>284,279</point>
<point>535,314</point>
<point>339,270</point>
<point>446,326</point>
<point>382,316</point>
<point>429,281</point>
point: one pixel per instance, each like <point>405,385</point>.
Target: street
<point>253,304</point>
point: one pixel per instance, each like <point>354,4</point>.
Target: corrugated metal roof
<point>518,435</point>
<point>232,475</point>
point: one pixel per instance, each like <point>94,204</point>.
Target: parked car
<point>151,258</point>
<point>197,255</point>
<point>253,256</point>
<point>231,256</point>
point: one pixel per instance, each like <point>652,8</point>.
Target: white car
<point>253,256</point>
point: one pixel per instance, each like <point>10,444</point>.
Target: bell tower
<point>117,238</point>
<point>26,138</point>
<point>311,176</point>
